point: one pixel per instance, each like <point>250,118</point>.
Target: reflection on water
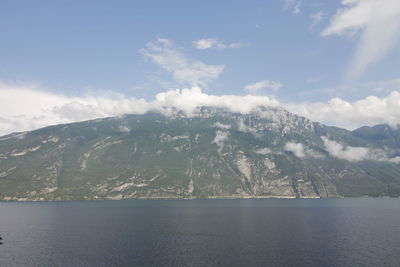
<point>319,232</point>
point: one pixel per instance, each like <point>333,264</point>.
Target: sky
<point>335,61</point>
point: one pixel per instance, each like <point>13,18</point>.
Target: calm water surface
<point>267,232</point>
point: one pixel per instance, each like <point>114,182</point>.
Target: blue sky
<point>301,53</point>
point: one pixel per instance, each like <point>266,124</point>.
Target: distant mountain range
<point>213,153</point>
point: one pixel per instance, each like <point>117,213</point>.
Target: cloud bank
<point>377,21</point>
<point>371,110</point>
<point>45,108</point>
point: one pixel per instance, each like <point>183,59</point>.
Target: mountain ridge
<point>212,153</point>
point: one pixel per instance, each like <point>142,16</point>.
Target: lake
<point>261,232</point>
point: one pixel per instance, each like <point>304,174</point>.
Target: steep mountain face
<point>214,153</point>
<point>382,135</point>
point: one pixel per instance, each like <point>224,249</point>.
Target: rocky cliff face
<point>212,153</point>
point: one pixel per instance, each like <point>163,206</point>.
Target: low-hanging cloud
<point>222,126</point>
<point>263,151</point>
<point>243,127</point>
<point>354,154</point>
<point>301,151</point>
<point>220,138</point>
<point>296,148</point>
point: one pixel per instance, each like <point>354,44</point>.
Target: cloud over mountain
<point>45,108</point>
<point>371,110</point>
<point>352,153</point>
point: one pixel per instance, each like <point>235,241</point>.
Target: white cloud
<point>188,100</point>
<point>257,87</point>
<point>124,129</point>
<point>220,138</point>
<point>378,22</point>
<point>242,127</point>
<point>184,70</point>
<point>263,151</point>
<point>292,5</point>
<point>316,18</point>
<point>214,43</point>
<point>370,111</point>
<point>296,148</point>
<point>301,151</point>
<point>45,108</point>
<point>351,153</point>
<point>221,126</point>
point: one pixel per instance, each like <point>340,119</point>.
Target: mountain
<point>212,153</point>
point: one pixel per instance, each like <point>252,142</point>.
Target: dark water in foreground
<point>269,232</point>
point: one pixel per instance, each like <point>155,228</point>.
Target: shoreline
<point>195,198</point>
